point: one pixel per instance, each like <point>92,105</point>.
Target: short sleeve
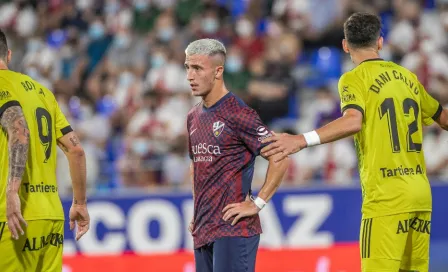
<point>8,98</point>
<point>251,130</point>
<point>62,125</point>
<point>351,93</point>
<point>431,108</point>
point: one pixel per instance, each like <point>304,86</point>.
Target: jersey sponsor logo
<point>40,188</point>
<point>401,171</point>
<point>204,152</point>
<point>204,148</point>
<point>416,224</point>
<point>218,127</point>
<point>263,132</point>
<point>37,243</point>
<point>4,95</point>
<point>348,97</point>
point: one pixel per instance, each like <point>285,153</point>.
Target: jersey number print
<point>388,108</point>
<point>43,119</point>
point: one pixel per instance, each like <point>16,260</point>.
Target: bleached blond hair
<point>207,47</point>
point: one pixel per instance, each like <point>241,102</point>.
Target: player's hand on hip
<point>239,210</point>
<point>79,217</point>
<point>282,145</point>
<point>14,215</point>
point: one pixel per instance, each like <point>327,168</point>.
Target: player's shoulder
<point>28,83</point>
<point>352,76</point>
<point>236,107</point>
<point>10,79</point>
<point>405,71</point>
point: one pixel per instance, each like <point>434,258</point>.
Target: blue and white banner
<point>295,218</point>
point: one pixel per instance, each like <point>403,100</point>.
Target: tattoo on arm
<point>74,140</point>
<point>18,133</point>
<point>75,201</point>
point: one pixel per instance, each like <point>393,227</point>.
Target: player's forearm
<point>274,176</point>
<point>350,123</point>
<point>340,128</point>
<point>76,157</point>
<point>78,173</point>
<point>77,163</point>
<point>192,178</point>
<point>18,144</point>
<point>18,156</point>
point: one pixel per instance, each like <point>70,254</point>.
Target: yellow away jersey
<point>39,190</point>
<point>389,147</point>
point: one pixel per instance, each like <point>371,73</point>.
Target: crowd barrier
<point>304,230</point>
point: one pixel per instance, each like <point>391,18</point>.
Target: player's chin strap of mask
<point>258,201</point>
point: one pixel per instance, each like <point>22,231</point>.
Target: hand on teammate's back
<point>14,215</point>
<point>282,145</point>
<point>79,216</point>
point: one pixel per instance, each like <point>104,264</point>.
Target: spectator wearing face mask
<point>210,25</point>
<point>165,68</point>
<point>247,40</point>
<point>165,29</point>
<point>126,51</point>
<point>236,75</point>
<point>100,40</point>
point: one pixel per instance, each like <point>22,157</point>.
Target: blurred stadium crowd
<point>116,68</point>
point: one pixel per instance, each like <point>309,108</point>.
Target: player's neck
<point>214,96</point>
<point>3,66</point>
<point>361,56</point>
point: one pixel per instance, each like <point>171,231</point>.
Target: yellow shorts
<point>391,243</point>
<point>40,249</point>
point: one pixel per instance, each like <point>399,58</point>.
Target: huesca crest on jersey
<point>218,127</point>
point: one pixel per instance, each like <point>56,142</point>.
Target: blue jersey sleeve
<point>251,130</point>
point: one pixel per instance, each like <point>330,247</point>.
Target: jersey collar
<point>374,59</point>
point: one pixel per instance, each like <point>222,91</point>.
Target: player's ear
<point>380,43</point>
<point>345,46</point>
<point>8,58</point>
<point>219,70</point>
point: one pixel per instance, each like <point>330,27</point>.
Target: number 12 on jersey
<point>387,108</point>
